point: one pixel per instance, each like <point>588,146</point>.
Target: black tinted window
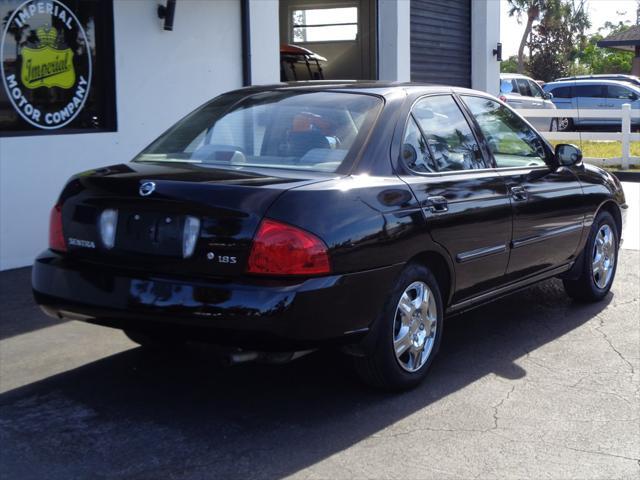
<point>589,91</point>
<point>415,152</point>
<point>561,92</point>
<point>524,87</point>
<point>448,135</point>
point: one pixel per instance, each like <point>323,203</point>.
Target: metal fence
<point>625,136</point>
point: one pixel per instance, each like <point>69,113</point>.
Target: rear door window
<point>589,91</point>
<point>415,152</point>
<point>448,136</point>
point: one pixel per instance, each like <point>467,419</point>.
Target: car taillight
<point>503,98</point>
<point>56,235</point>
<point>281,249</point>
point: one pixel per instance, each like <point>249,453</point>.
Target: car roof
<point>382,88</point>
<point>594,81</point>
<point>515,75</point>
<point>597,76</point>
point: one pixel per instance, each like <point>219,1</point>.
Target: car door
<point>464,201</point>
<point>591,97</point>
<point>538,102</point>
<point>547,201</point>
<point>618,95</point>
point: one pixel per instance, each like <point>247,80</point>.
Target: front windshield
<point>305,131</point>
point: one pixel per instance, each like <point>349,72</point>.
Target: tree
<point>510,65</point>
<point>532,9</point>
<point>558,39</point>
<point>606,60</point>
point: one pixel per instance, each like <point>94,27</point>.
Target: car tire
<point>409,320</point>
<point>599,262</point>
<point>150,341</point>
<point>564,125</point>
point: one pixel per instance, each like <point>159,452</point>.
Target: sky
<point>600,12</point>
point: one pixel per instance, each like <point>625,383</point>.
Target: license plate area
<point>150,233</point>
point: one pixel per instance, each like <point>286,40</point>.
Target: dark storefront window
<point>57,67</point>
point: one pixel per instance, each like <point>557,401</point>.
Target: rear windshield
<point>303,131</point>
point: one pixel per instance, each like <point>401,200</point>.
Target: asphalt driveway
<point>532,386</point>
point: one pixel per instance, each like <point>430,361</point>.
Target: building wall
<point>485,35</point>
<point>160,76</point>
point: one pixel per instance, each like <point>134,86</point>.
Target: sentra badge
<point>47,74</point>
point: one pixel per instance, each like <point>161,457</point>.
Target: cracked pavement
<point>532,386</point>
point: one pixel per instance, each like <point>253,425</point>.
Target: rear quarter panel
<point>367,222</point>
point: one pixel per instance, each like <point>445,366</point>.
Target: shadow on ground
<point>136,415</point>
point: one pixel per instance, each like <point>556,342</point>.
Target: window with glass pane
<point>562,92</point>
<point>414,152</point>
<point>57,62</point>
<point>324,24</point>
<point>448,135</point>
<point>589,91</point>
<point>525,88</point>
<point>620,93</point>
<point>512,142</point>
<point>303,131</point>
<point>535,89</point>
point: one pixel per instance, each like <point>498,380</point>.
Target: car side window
<point>448,135</point>
<point>535,89</point>
<point>524,87</point>
<point>512,142</point>
<point>562,92</point>
<point>620,93</point>
<point>415,152</point>
<point>589,91</point>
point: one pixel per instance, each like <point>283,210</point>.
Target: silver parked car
<point>520,91</point>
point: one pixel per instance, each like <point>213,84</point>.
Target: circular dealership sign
<point>46,63</point>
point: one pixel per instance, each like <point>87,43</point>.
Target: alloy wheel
<point>604,256</point>
<point>414,328</point>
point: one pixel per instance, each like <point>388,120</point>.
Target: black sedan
<point>277,220</point>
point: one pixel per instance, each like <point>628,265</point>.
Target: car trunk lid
<point>150,226</point>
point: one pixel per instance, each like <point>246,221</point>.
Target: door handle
<point>518,193</point>
<point>437,204</point>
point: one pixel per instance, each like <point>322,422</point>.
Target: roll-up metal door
<point>441,42</point>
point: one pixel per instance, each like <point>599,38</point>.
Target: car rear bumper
<point>251,313</point>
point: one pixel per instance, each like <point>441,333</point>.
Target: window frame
<point>547,146</point>
<point>486,154</point>
<point>322,6</point>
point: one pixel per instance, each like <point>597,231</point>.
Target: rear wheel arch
<point>442,270</point>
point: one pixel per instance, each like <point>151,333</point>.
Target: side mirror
<point>548,95</point>
<point>567,155</point>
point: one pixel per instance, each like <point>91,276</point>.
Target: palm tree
<point>532,9</point>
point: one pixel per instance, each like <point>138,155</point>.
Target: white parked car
<point>520,91</point>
